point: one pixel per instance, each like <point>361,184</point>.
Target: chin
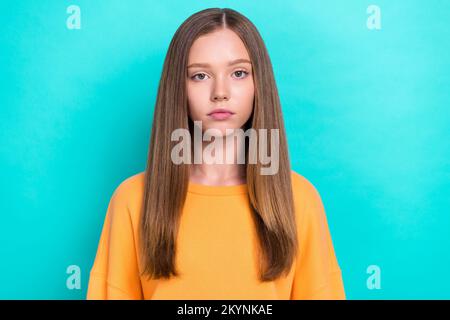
<point>220,129</point>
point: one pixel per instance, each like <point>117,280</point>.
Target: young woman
<point>212,230</point>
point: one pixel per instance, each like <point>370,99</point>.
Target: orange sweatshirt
<point>215,246</point>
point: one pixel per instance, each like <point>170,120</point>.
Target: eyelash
<point>243,71</point>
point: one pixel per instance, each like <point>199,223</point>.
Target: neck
<point>224,173</point>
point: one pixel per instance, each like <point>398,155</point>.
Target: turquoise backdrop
<point>366,110</point>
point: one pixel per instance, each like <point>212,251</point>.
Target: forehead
<point>217,47</point>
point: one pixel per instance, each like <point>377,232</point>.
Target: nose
<point>220,91</point>
<point>220,97</point>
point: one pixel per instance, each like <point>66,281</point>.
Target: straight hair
<point>166,183</point>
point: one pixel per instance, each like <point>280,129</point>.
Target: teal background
<point>366,114</point>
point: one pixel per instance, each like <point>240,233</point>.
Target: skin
<point>219,85</point>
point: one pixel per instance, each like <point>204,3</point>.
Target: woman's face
<point>219,76</point>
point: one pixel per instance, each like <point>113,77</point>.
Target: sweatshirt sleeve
<point>115,274</point>
<point>317,272</point>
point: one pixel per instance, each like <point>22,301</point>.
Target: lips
<point>220,114</point>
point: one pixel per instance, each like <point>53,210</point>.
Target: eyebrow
<point>206,65</point>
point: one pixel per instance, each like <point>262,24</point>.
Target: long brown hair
<point>166,183</point>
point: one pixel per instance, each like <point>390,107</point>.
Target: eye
<point>194,77</point>
<point>240,74</point>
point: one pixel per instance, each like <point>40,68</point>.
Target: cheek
<point>196,95</point>
<point>245,93</point>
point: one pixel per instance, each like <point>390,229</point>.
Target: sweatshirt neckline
<point>217,190</point>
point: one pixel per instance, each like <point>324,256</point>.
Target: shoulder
<point>129,193</point>
<point>303,189</point>
<point>130,186</point>
<point>308,203</point>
